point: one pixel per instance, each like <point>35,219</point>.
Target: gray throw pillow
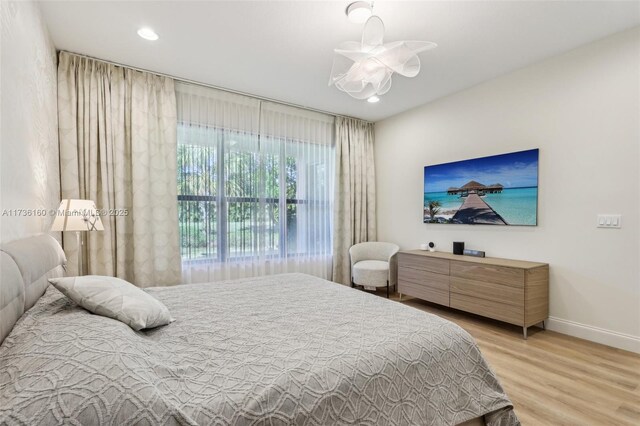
<point>115,298</point>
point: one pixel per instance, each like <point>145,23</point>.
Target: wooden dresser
<point>512,291</point>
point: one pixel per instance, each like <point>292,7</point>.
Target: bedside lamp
<point>77,216</point>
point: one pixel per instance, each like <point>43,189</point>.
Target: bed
<point>277,350</point>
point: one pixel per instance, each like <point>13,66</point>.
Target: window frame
<point>221,201</point>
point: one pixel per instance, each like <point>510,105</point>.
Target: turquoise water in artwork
<point>518,206</point>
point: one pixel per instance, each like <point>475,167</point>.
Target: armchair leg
<point>387,289</point>
<point>352,284</point>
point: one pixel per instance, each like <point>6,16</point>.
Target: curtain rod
<point>198,83</point>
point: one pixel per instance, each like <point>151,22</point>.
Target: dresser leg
<point>544,326</point>
<point>400,297</point>
<point>524,332</point>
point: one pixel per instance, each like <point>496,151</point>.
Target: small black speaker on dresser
<point>458,248</point>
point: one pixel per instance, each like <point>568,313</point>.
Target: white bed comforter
<point>279,350</point>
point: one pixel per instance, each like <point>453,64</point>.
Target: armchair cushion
<point>374,273</point>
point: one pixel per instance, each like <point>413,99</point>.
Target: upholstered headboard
<point>11,294</point>
<point>26,265</point>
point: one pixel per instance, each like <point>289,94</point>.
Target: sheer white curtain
<point>255,184</point>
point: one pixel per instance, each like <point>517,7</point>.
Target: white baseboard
<point>595,334</point>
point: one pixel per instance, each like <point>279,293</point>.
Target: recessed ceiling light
<point>148,34</point>
<point>373,99</point>
<point>359,11</point>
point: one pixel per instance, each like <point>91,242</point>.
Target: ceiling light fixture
<point>373,99</point>
<point>148,34</point>
<point>364,69</point>
<point>359,11</point>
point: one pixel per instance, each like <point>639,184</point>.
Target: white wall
<point>29,176</point>
<point>582,109</point>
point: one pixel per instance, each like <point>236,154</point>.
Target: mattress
<point>278,350</point>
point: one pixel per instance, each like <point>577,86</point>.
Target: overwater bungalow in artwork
<point>473,187</point>
<point>474,209</point>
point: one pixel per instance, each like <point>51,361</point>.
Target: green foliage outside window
<point>251,195</point>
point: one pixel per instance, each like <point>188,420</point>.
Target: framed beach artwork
<point>495,190</point>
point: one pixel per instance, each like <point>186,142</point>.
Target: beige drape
<point>117,131</point>
<point>355,195</point>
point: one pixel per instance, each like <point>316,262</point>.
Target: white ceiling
<point>284,49</point>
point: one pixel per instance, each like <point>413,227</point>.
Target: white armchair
<point>373,264</point>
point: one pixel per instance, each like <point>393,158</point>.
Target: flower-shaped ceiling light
<point>364,69</point>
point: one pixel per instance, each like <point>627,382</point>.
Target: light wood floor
<point>552,378</point>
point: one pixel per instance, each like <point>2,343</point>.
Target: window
<point>242,195</point>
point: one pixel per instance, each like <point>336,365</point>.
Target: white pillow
<point>115,298</point>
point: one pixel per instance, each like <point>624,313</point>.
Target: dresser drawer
<point>424,263</point>
<point>423,292</point>
<point>424,278</point>
<point>488,273</point>
<point>489,291</point>
<point>488,308</point>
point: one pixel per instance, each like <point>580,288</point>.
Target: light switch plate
<point>609,221</point>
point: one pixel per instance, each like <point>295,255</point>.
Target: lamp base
<point>79,245</point>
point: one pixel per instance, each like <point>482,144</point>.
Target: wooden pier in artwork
<point>476,211</point>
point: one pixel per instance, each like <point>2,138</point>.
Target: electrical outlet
<point>609,221</point>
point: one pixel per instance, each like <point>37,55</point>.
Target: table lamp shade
<point>77,215</point>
